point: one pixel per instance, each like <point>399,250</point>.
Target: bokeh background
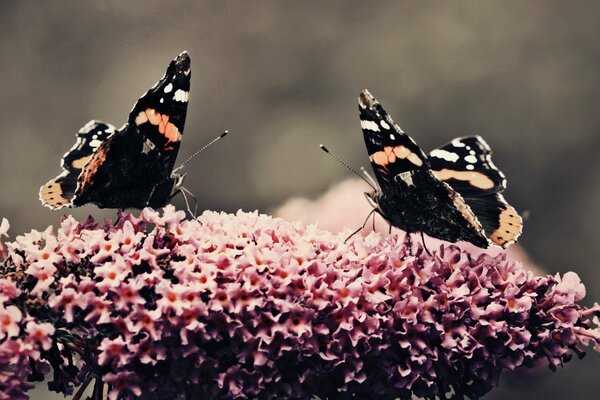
<point>283,76</point>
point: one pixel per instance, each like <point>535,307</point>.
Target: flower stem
<point>82,388</point>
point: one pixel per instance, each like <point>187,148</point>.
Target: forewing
<point>391,151</point>
<point>60,191</point>
<point>159,115</point>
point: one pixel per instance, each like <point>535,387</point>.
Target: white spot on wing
<point>181,96</point>
<point>168,88</point>
<point>95,143</point>
<point>407,178</point>
<point>483,143</point>
<point>89,126</point>
<point>457,143</point>
<point>471,159</point>
<point>445,155</point>
<point>384,125</point>
<point>470,167</point>
<point>148,145</point>
<point>370,125</point>
<point>392,136</point>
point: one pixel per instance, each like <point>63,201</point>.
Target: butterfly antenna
<point>339,160</point>
<point>206,146</point>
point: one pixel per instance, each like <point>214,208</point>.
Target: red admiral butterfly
<point>453,194</point>
<point>131,167</point>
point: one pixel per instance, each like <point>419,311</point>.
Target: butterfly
<point>131,167</point>
<point>454,193</point>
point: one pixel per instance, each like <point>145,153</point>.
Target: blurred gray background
<point>284,77</point>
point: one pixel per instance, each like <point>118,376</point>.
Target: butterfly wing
<point>411,197</point>
<point>392,152</point>
<point>500,221</point>
<point>133,166</point>
<point>159,115</point>
<point>466,165</point>
<point>133,169</point>
<point>60,191</point>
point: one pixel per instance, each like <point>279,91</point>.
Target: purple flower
<point>247,306</point>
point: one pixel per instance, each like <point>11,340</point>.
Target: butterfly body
<point>119,180</point>
<point>131,167</point>
<point>454,194</point>
<point>431,210</point>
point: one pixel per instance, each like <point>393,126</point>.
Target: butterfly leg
<point>408,241</point>
<point>470,259</point>
<point>150,196</point>
<point>187,204</point>
<point>195,202</point>
<point>120,213</point>
<point>363,225</point>
<point>374,230</point>
<point>424,245</point>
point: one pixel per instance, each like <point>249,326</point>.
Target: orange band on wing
<point>166,128</point>
<point>390,154</point>
<point>80,162</point>
<point>476,179</point>
<point>52,196</point>
<point>509,229</point>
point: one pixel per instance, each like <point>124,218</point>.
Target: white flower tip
<point>4,227</point>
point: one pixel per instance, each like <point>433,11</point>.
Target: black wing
<point>466,165</point>
<point>133,166</point>
<point>159,115</point>
<point>60,191</point>
<point>133,169</point>
<point>391,151</point>
<point>500,221</point>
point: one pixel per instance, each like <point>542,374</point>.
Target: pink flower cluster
<point>247,306</point>
<point>343,208</point>
<point>21,337</point>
